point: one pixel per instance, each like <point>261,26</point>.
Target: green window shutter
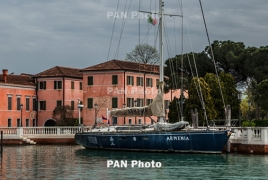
<point>45,105</point>
<point>59,84</point>
<point>72,105</point>
<point>114,79</point>
<point>55,84</point>
<point>114,102</point>
<point>90,80</point>
<point>80,86</point>
<point>45,84</point>
<point>72,84</point>
<point>90,103</point>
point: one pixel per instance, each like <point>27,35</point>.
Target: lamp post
<point>80,106</point>
<point>124,106</point>
<point>135,105</point>
<point>96,107</point>
<point>239,111</point>
<point>249,104</point>
<point>21,106</point>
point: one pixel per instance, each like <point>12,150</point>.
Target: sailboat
<point>159,137</point>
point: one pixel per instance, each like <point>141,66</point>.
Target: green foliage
<point>194,102</point>
<point>143,53</point>
<point>261,122</point>
<point>63,115</point>
<point>173,115</point>
<point>262,94</point>
<point>248,123</point>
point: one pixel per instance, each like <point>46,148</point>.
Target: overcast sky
<point>36,35</point>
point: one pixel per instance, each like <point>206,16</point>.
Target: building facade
<point>117,84</point>
<point>18,100</point>
<point>57,86</point>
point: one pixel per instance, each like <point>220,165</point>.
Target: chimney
<point>5,71</point>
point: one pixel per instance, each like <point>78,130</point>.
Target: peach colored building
<point>18,100</point>
<point>57,86</point>
<point>115,83</point>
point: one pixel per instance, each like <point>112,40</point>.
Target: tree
<point>143,53</point>
<point>173,115</point>
<point>63,116</point>
<point>194,100</point>
<point>263,95</point>
<point>228,87</point>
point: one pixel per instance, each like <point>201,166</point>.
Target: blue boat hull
<point>175,141</point>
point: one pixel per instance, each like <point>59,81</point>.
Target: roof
<point>59,71</point>
<point>123,65</point>
<point>18,79</point>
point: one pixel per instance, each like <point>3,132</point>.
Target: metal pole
<point>1,142</point>
<point>79,120</point>
<point>239,116</point>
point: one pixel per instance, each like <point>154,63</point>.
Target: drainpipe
<point>63,91</point>
<point>36,105</point>
<point>144,96</point>
<point>124,93</point>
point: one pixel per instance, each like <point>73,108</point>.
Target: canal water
<point>75,162</point>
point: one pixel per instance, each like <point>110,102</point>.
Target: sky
<point>36,35</point>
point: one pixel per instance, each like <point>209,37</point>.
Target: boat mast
<point>161,50</point>
<point>161,43</point>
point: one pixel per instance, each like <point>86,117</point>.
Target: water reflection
<point>75,162</point>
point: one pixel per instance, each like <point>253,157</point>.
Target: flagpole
<point>107,116</point>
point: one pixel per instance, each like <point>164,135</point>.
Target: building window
<point>59,103</point>
<point>18,123</point>
<point>42,105</point>
<point>157,82</point>
<point>114,102</point>
<point>27,122</point>
<point>130,80</point>
<point>27,103</point>
<point>72,105</point>
<point>139,81</point>
<point>148,101</point>
<point>114,79</point>
<point>139,102</point>
<point>9,122</point>
<point>72,84</point>
<point>130,102</point>
<point>57,84</point>
<point>129,121</point>
<point>34,122</point>
<point>9,99</point>
<point>152,121</point>
<point>149,82</point>
<point>89,102</point>
<point>90,80</point>
<point>114,120</point>
<point>80,86</point>
<point>18,102</point>
<point>42,85</point>
<point>34,104</point>
<point>139,121</point>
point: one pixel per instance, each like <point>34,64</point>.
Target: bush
<point>248,123</point>
<point>261,123</point>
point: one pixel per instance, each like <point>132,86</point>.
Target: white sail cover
<point>156,108</point>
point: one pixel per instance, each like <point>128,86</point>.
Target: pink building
<point>18,100</point>
<point>116,83</point>
<point>57,86</point>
